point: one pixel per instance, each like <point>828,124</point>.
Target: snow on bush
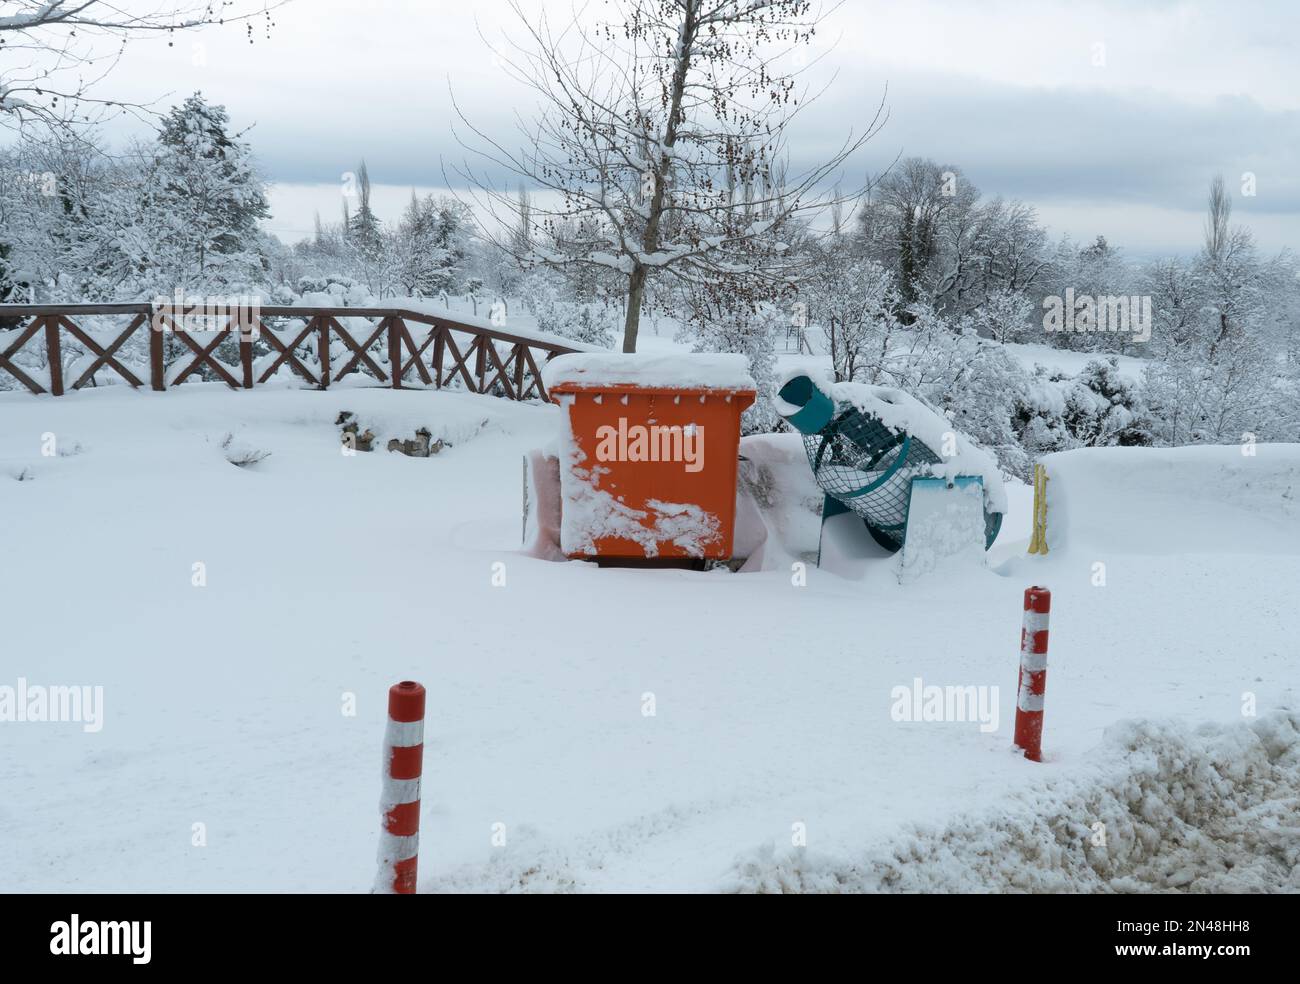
<point>590,323</point>
<point>240,453</point>
<point>752,334</point>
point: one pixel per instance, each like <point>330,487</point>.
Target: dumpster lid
<point>689,371</point>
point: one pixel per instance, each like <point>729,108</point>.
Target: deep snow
<point>329,576</point>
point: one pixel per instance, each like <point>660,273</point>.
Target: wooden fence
<point>485,360</point>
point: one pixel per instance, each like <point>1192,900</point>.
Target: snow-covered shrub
<point>240,453</point>
<point>1102,409</point>
<point>980,399</point>
<point>333,290</point>
<point>856,303</point>
<point>973,381</point>
<point>749,333</point>
<point>7,285</point>
<point>1096,408</point>
<point>1038,416</point>
<point>1005,316</point>
<point>591,323</point>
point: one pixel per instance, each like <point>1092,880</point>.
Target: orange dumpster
<point>648,455</point>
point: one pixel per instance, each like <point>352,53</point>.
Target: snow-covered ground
<point>330,577</point>
<point>1072,363</point>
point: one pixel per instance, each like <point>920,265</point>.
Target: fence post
<point>323,352</point>
<point>54,355</point>
<point>395,352</point>
<point>480,362</point>
<point>399,841</point>
<point>439,347</point>
<point>157,366</point>
<point>1033,673</point>
<point>246,346</point>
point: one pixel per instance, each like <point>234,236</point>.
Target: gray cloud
<point>1002,89</point>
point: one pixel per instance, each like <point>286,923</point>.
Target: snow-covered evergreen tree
<point>433,245</point>
<point>362,228</point>
<point>179,214</point>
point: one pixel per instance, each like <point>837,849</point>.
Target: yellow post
<point>1038,540</point>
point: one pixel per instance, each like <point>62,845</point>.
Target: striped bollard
<point>1033,673</point>
<point>399,841</point>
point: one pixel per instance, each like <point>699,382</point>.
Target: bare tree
<point>53,53</point>
<point>661,136</point>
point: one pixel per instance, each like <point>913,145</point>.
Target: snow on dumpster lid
<point>684,371</point>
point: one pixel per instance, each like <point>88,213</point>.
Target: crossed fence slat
<point>14,348</point>
<point>287,353</point>
<point>432,349</point>
<point>105,354</point>
<point>360,353</point>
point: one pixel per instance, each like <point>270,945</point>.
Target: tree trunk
<point>632,323</point>
<point>650,240</point>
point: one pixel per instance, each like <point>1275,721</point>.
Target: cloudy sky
<point>1109,117</point>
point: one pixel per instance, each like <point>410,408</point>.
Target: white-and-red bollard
<point>1033,673</point>
<point>399,841</point>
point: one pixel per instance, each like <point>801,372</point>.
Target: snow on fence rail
<point>317,343</point>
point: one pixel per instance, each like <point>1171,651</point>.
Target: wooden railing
<point>435,349</point>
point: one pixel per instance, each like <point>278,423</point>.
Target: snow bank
<point>1169,808</point>
<point>686,371</point>
<point>1214,499</point>
<point>779,504</point>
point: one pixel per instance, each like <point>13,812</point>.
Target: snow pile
<point>1209,499</point>
<point>542,506</point>
<point>392,420</point>
<point>697,371</point>
<point>1169,809</point>
<point>778,503</point>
